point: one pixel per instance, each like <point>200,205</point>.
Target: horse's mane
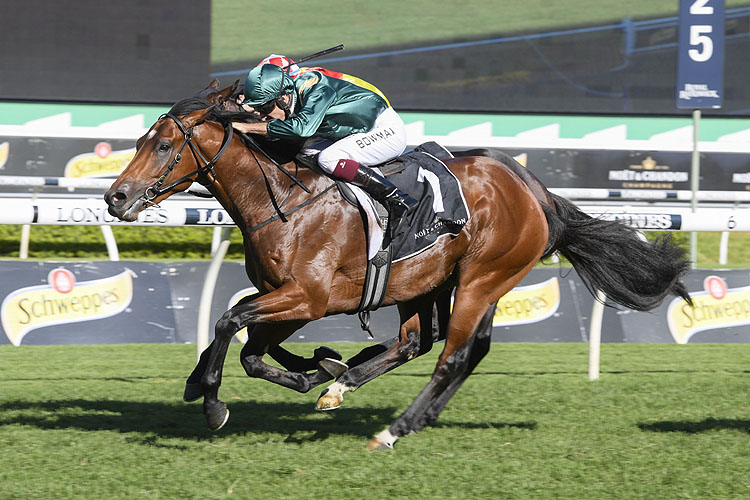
<point>281,151</point>
<point>186,106</point>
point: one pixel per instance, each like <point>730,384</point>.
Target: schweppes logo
<point>63,300</point>
<point>102,162</point>
<point>528,304</point>
<point>717,307</point>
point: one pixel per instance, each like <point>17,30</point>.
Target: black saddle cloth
<point>442,210</point>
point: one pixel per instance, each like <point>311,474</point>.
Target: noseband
<point>156,190</point>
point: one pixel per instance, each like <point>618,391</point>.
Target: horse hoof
<point>192,393</point>
<point>323,352</point>
<point>333,366</point>
<point>382,441</point>
<point>329,401</point>
<point>217,416</point>
<point>377,444</point>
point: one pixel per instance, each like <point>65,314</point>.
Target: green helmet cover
<point>266,83</point>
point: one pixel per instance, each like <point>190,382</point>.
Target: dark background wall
<point>136,51</point>
<point>159,51</point>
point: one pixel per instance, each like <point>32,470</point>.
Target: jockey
<point>349,127</point>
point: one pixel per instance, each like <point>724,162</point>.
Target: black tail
<point>611,257</point>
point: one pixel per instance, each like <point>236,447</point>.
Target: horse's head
<point>162,165</point>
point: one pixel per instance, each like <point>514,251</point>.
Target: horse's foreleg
<point>288,304</point>
<point>193,390</point>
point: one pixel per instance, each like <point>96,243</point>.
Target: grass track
<point>252,29</point>
<point>664,422</point>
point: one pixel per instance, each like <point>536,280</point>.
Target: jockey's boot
<point>398,203</point>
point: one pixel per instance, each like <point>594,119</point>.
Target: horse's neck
<point>241,188</point>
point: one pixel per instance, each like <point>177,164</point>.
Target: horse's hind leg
<point>295,363</point>
<point>466,343</point>
<point>478,347</point>
<point>415,338</point>
<point>265,338</point>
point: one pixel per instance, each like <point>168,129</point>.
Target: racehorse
<point>306,256</point>
<point>226,99</point>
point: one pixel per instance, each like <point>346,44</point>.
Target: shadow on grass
<point>150,421</point>
<point>185,421</point>
<point>707,425</point>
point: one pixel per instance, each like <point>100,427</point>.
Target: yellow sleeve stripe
<point>309,83</point>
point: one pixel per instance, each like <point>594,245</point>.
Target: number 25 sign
<point>700,63</point>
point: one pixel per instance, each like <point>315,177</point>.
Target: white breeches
<point>384,142</point>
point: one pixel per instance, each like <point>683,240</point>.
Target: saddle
<point>441,211</point>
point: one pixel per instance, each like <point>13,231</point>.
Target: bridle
<point>157,190</point>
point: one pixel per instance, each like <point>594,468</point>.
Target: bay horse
<point>307,257</point>
<point>226,99</point>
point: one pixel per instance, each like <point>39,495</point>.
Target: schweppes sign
<point>102,162</point>
<point>63,300</point>
<point>717,307</point>
<point>528,304</point>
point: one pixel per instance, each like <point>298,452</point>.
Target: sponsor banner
<point>721,315</point>
<point>63,301</point>
<point>63,157</point>
<point>61,211</point>
<point>528,304</point>
<point>716,307</point>
<point>102,162</point>
<point>207,216</point>
<point>87,303</point>
<point>633,170</point>
<point>4,149</point>
<point>615,169</point>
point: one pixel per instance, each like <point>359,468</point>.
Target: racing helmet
<point>283,62</point>
<point>266,83</point>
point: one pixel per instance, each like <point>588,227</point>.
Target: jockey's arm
<point>251,128</point>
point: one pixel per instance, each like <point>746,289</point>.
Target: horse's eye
<point>163,148</point>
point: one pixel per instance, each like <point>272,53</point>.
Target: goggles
<point>266,108</point>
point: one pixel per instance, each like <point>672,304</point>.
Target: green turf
<point>663,422</point>
<point>252,29</point>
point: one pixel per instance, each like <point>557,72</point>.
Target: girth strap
<point>377,273</point>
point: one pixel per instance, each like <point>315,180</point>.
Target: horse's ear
<point>219,98</point>
<point>213,85</point>
<point>196,117</point>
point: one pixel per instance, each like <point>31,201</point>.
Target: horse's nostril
<point>114,199</point>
